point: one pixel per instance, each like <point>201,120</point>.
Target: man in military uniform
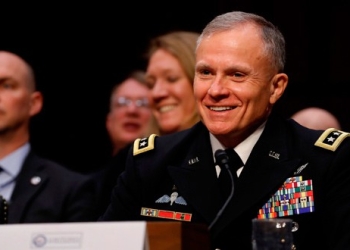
<point>285,170</point>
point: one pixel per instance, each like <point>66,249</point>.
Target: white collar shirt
<point>243,149</point>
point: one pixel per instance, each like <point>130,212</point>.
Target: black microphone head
<point>222,160</point>
<point>221,157</point>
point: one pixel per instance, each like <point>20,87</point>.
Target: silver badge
<point>35,180</point>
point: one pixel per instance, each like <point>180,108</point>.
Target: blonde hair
<point>181,44</point>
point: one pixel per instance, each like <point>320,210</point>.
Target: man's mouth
<point>220,108</point>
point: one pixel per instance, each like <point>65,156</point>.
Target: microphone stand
<point>222,159</point>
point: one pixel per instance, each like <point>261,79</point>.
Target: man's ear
<point>278,85</point>
<point>36,103</point>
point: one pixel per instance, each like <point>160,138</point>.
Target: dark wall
<point>78,52</point>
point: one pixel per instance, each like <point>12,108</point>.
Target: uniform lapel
<point>197,176</point>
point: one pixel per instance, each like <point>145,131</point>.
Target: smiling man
<point>273,167</point>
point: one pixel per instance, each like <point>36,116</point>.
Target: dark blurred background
<point>79,51</point>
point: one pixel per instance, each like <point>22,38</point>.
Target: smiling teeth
<point>166,108</point>
<point>220,108</point>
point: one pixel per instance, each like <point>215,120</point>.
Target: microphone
<point>222,160</point>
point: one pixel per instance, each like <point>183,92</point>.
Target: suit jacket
<point>48,192</point>
<point>182,164</point>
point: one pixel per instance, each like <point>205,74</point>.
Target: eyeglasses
<point>126,102</point>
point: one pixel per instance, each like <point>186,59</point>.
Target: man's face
<point>233,83</point>
<point>15,95</point>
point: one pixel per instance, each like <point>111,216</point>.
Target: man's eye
<point>204,72</point>
<point>6,86</point>
<point>238,74</point>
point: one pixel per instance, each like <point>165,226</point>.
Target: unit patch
<point>331,139</point>
<point>144,144</point>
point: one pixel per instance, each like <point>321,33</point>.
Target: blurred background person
<point>316,118</point>
<point>129,117</point>
<point>36,189</point>
<point>169,75</point>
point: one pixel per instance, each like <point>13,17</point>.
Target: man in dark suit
<point>36,189</point>
<point>285,170</point>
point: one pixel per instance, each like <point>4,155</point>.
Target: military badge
<point>294,197</point>
<point>173,198</point>
<point>301,168</point>
<point>165,214</point>
<point>331,139</point>
<point>144,144</point>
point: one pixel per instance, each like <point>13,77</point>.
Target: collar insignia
<point>193,160</point>
<point>275,155</point>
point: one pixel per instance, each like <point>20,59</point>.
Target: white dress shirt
<point>243,149</point>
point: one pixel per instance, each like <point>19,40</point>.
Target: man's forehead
<point>11,66</point>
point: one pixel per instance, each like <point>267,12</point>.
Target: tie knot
<point>234,159</point>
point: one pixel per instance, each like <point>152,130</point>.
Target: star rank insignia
<point>144,144</point>
<point>331,139</point>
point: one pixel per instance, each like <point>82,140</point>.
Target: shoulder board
<point>144,144</point>
<point>331,139</point>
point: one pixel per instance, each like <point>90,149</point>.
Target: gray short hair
<point>270,34</point>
